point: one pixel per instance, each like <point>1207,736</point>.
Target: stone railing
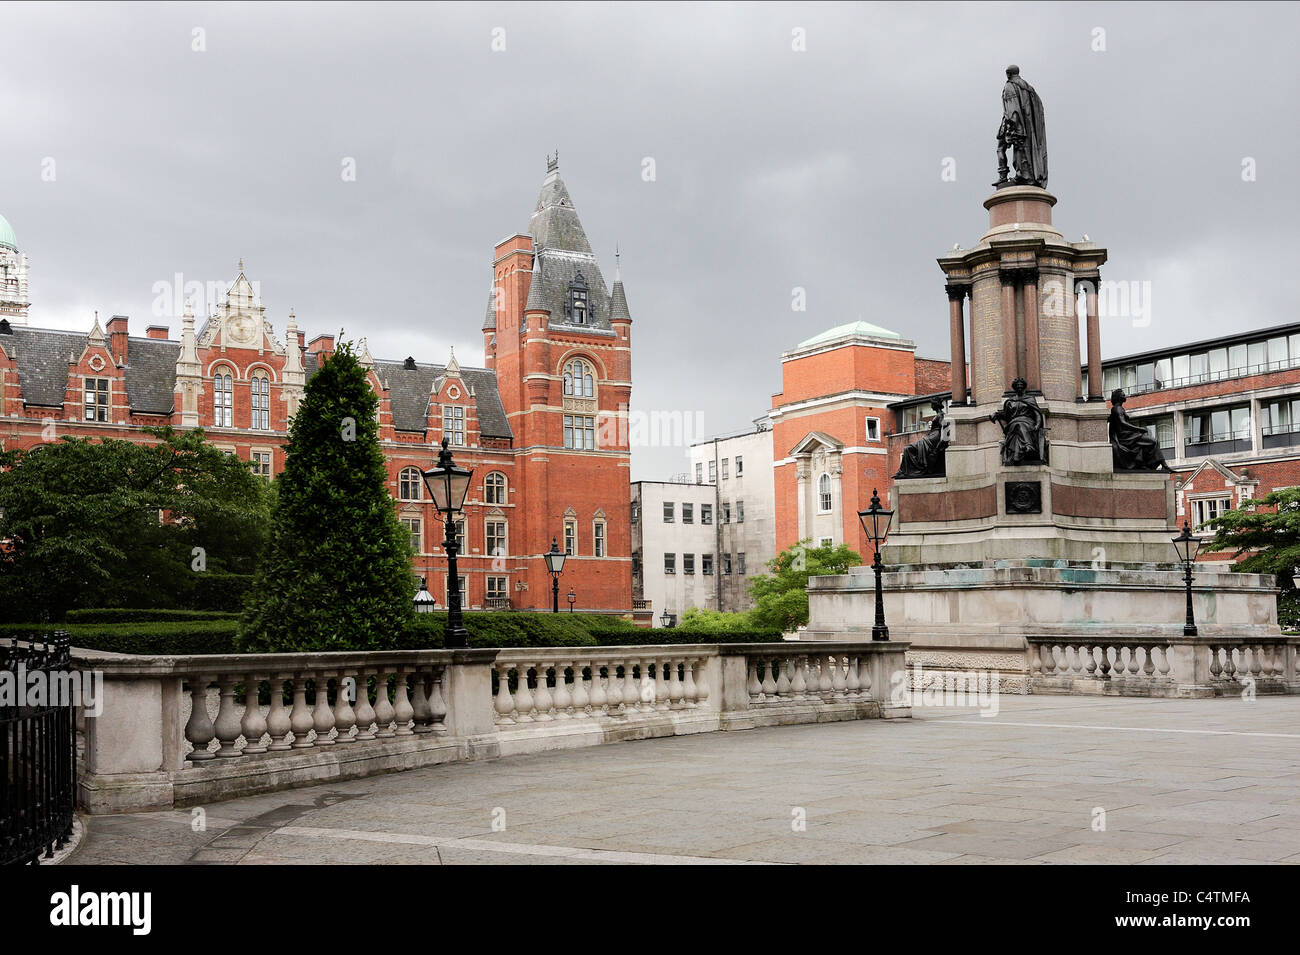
<point>1163,666</point>
<point>187,729</point>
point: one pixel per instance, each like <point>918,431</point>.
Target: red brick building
<point>830,427</point>
<point>543,424</point>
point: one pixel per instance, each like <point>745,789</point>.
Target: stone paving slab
<point>1178,781</point>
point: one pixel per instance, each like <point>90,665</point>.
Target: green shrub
<point>676,637</point>
<point>144,615</point>
<point>216,591</point>
<point>1288,610</point>
<point>174,637</point>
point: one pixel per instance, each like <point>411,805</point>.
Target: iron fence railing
<point>38,751</point>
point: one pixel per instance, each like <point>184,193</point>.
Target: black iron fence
<point>38,750</point>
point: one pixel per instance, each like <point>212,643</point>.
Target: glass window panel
<point>1241,422</point>
<point>1219,422</point>
<point>1200,365</point>
<point>1130,376</point>
<point>1277,352</point>
<point>1218,361</point>
<point>1146,378</point>
<point>1237,358</point>
<point>1257,354</point>
<point>1295,349</point>
<point>1110,379</point>
<point>1164,372</point>
<point>1182,367</point>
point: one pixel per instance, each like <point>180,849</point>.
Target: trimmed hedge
<point>145,615</point>
<point>217,591</point>
<point>191,636</point>
<point>671,636</point>
<point>188,635</point>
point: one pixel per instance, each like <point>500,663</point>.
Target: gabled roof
<point>814,440</point>
<point>41,356</point>
<point>409,389</point>
<point>1224,471</point>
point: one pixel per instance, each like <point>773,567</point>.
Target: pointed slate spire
<point>536,289</point>
<point>555,223</point>
<point>618,311</point>
<point>490,320</point>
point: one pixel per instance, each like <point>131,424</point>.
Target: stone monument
<point>1050,513</point>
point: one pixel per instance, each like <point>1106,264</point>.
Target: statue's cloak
<point>1021,105</point>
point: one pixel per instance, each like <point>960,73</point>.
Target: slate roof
<point>409,388</point>
<point>618,302</point>
<point>490,320</point>
<point>42,355</point>
<point>563,252</point>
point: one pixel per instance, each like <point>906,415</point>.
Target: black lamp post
<point>424,601</point>
<point>572,599</point>
<point>1187,544</point>
<point>555,566</point>
<point>448,484</point>
<point>875,521</point>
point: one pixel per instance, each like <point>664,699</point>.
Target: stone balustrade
<point>179,730</point>
<point>1198,666</point>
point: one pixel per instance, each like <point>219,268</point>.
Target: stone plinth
<point>980,617</point>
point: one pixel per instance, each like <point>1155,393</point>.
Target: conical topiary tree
<point>337,570</point>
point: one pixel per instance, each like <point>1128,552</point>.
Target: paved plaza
<point>1194,781</point>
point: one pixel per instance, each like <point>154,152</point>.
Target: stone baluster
<point>300,720</point>
<point>1230,667</point>
<point>199,730</point>
<point>824,683</point>
<point>1133,661</point>
<point>839,682</point>
<point>691,691</point>
<point>864,676</point>
<point>345,687</point>
<point>1216,670</point>
<point>384,713</point>
<point>254,724</point>
<point>277,717</point>
<point>661,686</point>
<point>227,725</point>
<point>648,698</point>
<point>523,695</point>
<point>599,698</point>
<point>1035,661</point>
<point>1091,656</point>
<point>322,717</point>
<point>563,695</point>
<point>420,703</point>
<point>438,700</point>
<point>701,681</point>
<point>1148,665</point>
<point>1103,662</point>
<point>789,681</point>
<point>631,693</point>
<point>752,686</point>
<point>542,699</point>
<point>403,712</point>
<point>1164,661</point>
<point>769,682</point>
<point>1255,668</point>
<point>852,685</point>
<point>365,712</point>
<point>505,702</point>
<point>581,696</point>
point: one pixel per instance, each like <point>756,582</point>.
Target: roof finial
<point>618,274</point>
<point>241,265</point>
<point>553,162</point>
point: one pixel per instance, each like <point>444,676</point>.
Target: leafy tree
<point>1270,537</point>
<point>88,523</point>
<point>337,572</point>
<point>703,620</point>
<point>781,597</point>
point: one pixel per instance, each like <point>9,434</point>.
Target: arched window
<point>824,493</point>
<point>410,485</point>
<point>223,403</point>
<point>579,382</point>
<point>260,392</point>
<point>495,488</point>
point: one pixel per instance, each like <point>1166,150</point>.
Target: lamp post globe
<point>448,485</point>
<point>875,522</point>
<point>555,566</point>
<point>1186,545</point>
<point>424,601</point>
<point>666,619</point>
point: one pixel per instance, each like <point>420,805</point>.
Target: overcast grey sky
<point>774,168</point>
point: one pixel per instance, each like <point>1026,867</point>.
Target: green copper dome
<point>7,237</point>
<point>843,331</point>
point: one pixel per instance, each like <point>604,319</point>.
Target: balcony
<point>1228,442</point>
<point>1282,436</point>
<point>497,603</point>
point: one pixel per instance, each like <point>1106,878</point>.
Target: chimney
<point>322,345</point>
<point>157,331</point>
<point>117,338</point>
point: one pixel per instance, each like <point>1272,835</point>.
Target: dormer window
<point>578,300</point>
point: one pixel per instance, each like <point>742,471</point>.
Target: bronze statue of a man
<point>926,457</point>
<point>1024,131</point>
<point>1023,426</point>
<point>1131,447</point>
